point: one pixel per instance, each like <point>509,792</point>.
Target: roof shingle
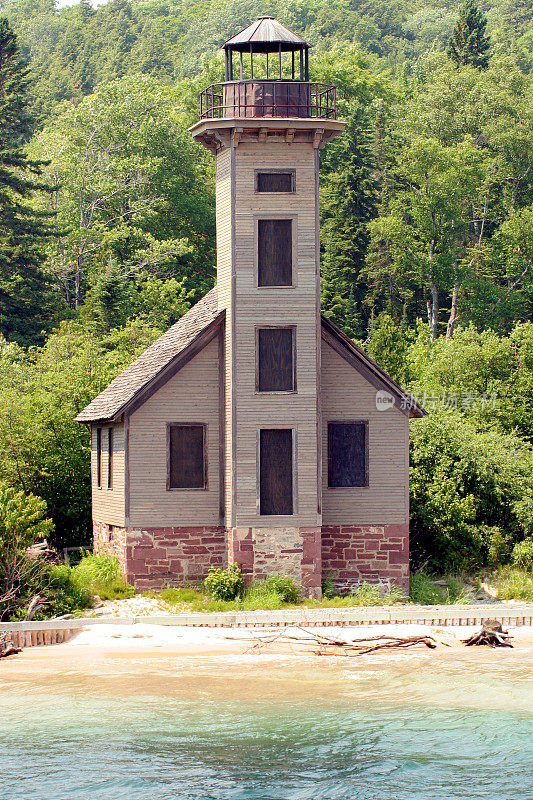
<point>108,404</point>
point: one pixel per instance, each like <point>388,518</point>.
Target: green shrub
<point>225,584</point>
<point>470,492</point>
<point>523,554</point>
<point>365,594</point>
<point>285,586</point>
<point>65,594</point>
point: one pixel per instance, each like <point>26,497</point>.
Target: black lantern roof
<point>266,35</point>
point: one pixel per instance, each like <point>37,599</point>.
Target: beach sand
<point>146,659</point>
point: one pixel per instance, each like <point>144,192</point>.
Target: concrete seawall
<point>55,631</point>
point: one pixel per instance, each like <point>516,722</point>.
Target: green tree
<point>468,43</point>
<point>129,189</point>
<point>23,286</point>
<point>349,201</point>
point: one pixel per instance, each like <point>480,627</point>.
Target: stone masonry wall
<point>284,551</point>
<point>110,539</point>
<point>346,554</point>
<point>154,558</point>
<point>376,554</point>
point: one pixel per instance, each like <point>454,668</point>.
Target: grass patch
<point>450,590</point>
<point>365,595</point>
<point>100,575</point>
<point>513,583</point>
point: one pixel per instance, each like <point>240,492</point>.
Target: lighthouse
<point>254,431</point>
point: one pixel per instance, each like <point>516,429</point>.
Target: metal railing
<point>268,98</point>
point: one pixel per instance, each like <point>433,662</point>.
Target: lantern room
<point>267,75</point>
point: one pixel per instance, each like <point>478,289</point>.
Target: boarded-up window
<point>347,454</point>
<point>99,457</point>
<point>275,181</point>
<point>275,468</point>
<point>110,458</point>
<point>187,468</point>
<point>275,360</point>
<point>274,258</point>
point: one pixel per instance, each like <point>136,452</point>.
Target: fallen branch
<point>7,648</point>
<point>328,645</point>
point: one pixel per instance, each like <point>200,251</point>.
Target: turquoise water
<point>267,733</point>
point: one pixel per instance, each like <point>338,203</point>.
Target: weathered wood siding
<point>250,306</point>
<point>346,396</point>
<point>108,504</point>
<point>224,191</point>
<point>190,396</point>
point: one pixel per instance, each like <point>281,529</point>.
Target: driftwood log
<point>7,648</point>
<point>327,645</point>
<point>491,634</point>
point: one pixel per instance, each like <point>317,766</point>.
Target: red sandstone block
<point>189,549</point>
<point>372,544</point>
<point>399,558</point>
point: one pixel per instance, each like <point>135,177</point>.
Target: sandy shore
<point>197,643</point>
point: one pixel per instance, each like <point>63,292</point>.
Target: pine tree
<point>349,202</point>
<point>468,43</point>
<point>23,286</point>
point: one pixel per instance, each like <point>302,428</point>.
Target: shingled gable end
<point>254,430</point>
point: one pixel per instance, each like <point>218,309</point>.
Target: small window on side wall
<point>274,252</point>
<point>186,456</point>
<point>347,454</point>
<point>277,181</point>
<point>99,457</point>
<point>275,360</point>
<point>110,458</point>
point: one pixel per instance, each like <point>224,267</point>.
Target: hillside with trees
<point>107,231</point>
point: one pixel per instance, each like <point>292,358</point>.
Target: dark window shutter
<point>275,182</point>
<point>274,252</point>
<point>187,457</point>
<point>98,457</point>
<point>110,458</point>
<point>275,360</point>
<point>275,467</point>
<point>347,454</point>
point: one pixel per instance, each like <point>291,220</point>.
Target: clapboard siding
<point>346,395</point>
<point>257,306</point>
<point>224,191</point>
<point>108,504</point>
<point>190,396</point>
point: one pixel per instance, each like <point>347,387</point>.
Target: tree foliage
<point>468,44</point>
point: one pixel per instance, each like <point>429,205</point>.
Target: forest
<point>107,233</point>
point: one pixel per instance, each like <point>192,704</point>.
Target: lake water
<point>162,727</point>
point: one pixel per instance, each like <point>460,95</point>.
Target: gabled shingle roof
<point>148,366</point>
<point>372,371</point>
<point>153,366</point>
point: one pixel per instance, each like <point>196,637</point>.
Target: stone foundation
<point>159,557</point>
<point>153,558</point>
<point>279,551</point>
<point>376,554</point>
